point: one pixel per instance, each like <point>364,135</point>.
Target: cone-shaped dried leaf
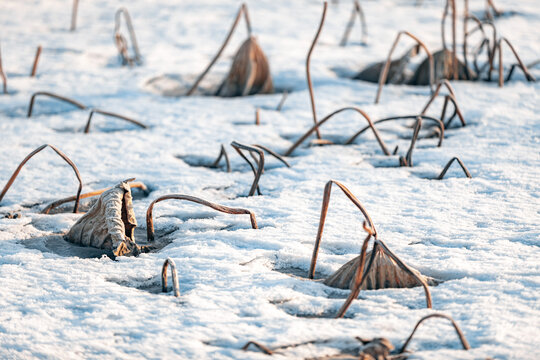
<point>249,74</point>
<point>443,69</point>
<point>384,273</point>
<point>396,72</point>
<point>109,224</point>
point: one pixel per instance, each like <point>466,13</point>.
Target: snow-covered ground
<point>480,235</point>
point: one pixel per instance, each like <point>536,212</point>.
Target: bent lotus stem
<point>491,6</point>
<point>131,30</point>
<point>282,101</point>
<point>513,67</point>
<point>55,204</point>
<point>407,160</point>
<point>357,9</point>
<point>242,11</point>
<point>523,67</point>
<point>54,96</point>
<point>3,75</point>
<point>221,208</point>
<point>110,114</point>
<point>384,73</point>
<point>258,345</point>
<point>274,154</point>
<point>308,68</point>
<point>222,154</point>
<point>36,60</point>
<point>29,156</point>
<point>460,334</point>
<point>260,164</point>
<point>74,15</point>
<point>463,167</point>
<point>322,220</point>
<point>328,117</point>
<point>452,97</point>
<point>437,122</point>
<point>174,274</point>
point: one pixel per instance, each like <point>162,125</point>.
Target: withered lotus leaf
<point>249,74</point>
<point>383,273</point>
<point>396,72</point>
<point>443,69</point>
<point>109,224</point>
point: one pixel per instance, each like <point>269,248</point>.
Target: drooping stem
<point>54,96</point>
<point>176,287</point>
<point>463,167</point>
<point>221,208</point>
<point>110,114</point>
<point>242,11</point>
<point>29,156</point>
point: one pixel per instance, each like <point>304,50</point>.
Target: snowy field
<point>480,236</point>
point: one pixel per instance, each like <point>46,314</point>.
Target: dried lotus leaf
<point>443,69</point>
<point>249,74</point>
<point>109,224</point>
<point>396,72</point>
<point>384,273</point>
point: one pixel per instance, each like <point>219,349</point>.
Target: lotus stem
<point>110,114</point>
<point>407,160</point>
<point>437,122</point>
<point>384,73</point>
<point>523,67</point>
<point>222,154</point>
<point>328,117</point>
<point>257,116</point>
<point>513,67</point>
<point>54,96</point>
<point>221,208</point>
<point>324,212</point>
<point>260,164</point>
<point>3,75</point>
<point>357,9</point>
<point>55,204</point>
<point>176,287</point>
<point>36,60</point>
<point>308,68</point>
<point>242,11</point>
<point>74,15</point>
<point>463,167</point>
<point>258,345</point>
<point>29,156</point>
<point>282,101</point>
<point>119,38</point>
<point>460,334</point>
<point>452,96</point>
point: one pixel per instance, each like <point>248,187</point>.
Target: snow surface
<point>479,235</point>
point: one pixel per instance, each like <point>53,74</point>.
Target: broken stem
<point>222,154</point>
<point>463,167</point>
<point>131,31</point>
<point>357,9</point>
<point>260,164</point>
<point>110,114</point>
<point>174,274</point>
<point>36,60</point>
<point>54,96</point>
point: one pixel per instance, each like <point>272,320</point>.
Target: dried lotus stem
<point>282,101</point>
<point>110,114</point>
<point>324,212</point>
<point>274,154</point>
<point>384,73</point>
<point>222,154</point>
<point>463,167</point>
<point>357,9</point>
<point>491,6</point>
<point>328,117</point>
<point>443,32</point>
<point>36,60</point>
<point>407,160</point>
<point>451,96</point>
<point>54,96</point>
<point>74,11</point>
<point>63,156</point>
<point>523,67</point>
<point>460,334</point>
<point>176,287</point>
<point>513,67</point>
<point>221,208</point>
<point>308,69</point>
<point>55,204</point>
<point>120,40</point>
<point>257,116</point>
<point>258,345</point>
<point>2,74</point>
<point>437,122</point>
<point>260,164</point>
<point>242,11</point>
